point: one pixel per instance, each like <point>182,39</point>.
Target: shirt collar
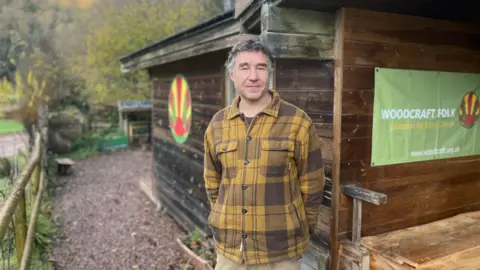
<point>271,109</point>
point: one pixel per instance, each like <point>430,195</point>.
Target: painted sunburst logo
<point>469,110</point>
<point>180,109</point>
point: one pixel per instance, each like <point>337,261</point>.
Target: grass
<point>9,126</point>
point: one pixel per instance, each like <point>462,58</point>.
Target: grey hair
<point>250,45</point>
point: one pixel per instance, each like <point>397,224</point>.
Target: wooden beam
<point>357,221</point>
<point>299,46</point>
<point>364,194</point>
<point>289,20</point>
<point>241,6</point>
<point>250,15</point>
<point>211,46</point>
<point>337,139</point>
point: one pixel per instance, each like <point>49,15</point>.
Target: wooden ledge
<point>364,194</point>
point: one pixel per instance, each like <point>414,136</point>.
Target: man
<point>263,170</point>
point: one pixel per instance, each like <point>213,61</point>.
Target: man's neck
<point>252,108</point>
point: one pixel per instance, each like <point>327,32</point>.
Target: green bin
<point>112,144</point>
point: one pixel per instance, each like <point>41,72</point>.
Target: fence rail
<point>14,204</point>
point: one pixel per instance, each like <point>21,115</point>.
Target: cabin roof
<point>459,10</point>
<point>196,29</point>
<point>224,30</point>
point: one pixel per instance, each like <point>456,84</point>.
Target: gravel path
<point>11,144</point>
<point>105,220</point>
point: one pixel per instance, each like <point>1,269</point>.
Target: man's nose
<point>253,75</point>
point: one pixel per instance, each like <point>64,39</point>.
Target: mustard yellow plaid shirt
<point>264,182</point>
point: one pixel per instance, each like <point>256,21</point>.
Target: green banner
<point>424,115</point>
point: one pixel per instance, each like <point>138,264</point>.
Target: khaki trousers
<point>224,263</point>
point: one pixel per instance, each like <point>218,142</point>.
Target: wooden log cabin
<point>415,215</point>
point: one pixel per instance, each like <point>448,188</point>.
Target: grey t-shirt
<point>249,120</point>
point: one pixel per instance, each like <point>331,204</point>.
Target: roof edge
<point>196,29</point>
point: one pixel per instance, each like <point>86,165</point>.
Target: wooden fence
<point>14,205</point>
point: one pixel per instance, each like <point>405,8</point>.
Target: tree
<point>113,30</point>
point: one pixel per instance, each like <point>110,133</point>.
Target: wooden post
<point>34,182</point>
<point>357,222</point>
<point>24,261</point>
<point>359,196</point>
<point>20,221</point>
<point>12,201</point>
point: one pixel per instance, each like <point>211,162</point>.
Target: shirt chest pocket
<point>276,157</point>
<point>227,154</point>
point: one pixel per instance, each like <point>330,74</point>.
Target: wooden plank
<point>195,68</point>
<point>323,223</point>
<point>337,137</point>
<point>304,74</point>
<point>310,101</point>
<point>249,16</point>
<point>360,172</point>
<point>427,184</point>
<point>288,20</point>
<point>364,194</point>
<point>240,6</point>
<point>378,262</point>
<point>429,242</point>
<point>165,136</point>
<point>384,227</point>
<point>195,49</point>
<point>356,149</point>
<point>385,28</point>
<point>403,56</point>
<point>358,78</point>
<point>358,102</point>
<point>306,46</point>
<point>354,257</point>
<point>227,29</point>
<point>421,205</point>
<point>467,259</point>
<point>64,161</point>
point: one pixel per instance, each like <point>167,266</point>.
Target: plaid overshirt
<point>264,182</point>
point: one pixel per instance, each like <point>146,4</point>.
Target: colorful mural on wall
<point>180,109</point>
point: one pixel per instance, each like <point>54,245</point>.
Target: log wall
<point>179,168</point>
<point>308,84</point>
<point>419,192</point>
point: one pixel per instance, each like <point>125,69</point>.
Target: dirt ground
<point>105,220</point>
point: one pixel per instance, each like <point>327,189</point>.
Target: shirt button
<point>249,138</point>
<point>244,187</point>
<point>245,161</point>
<point>244,211</point>
<point>224,148</point>
<point>244,235</point>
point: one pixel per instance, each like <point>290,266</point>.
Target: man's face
<point>250,75</point>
